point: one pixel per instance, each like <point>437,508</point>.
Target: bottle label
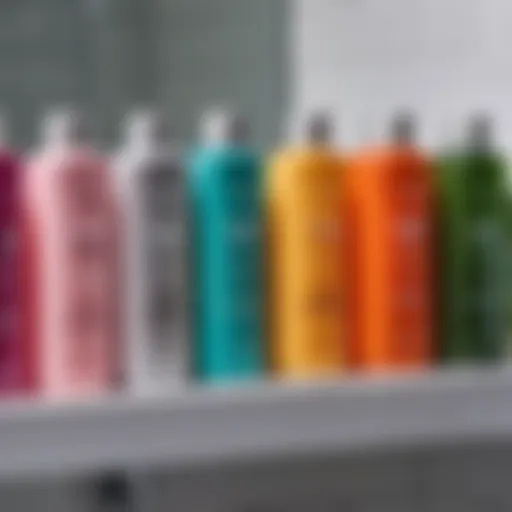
<point>326,231</point>
<point>164,244</point>
<point>9,333</point>
<point>244,232</point>
<point>8,242</point>
<point>411,267</point>
<point>162,194</point>
<point>484,280</point>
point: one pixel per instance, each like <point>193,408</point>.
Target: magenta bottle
<point>13,356</point>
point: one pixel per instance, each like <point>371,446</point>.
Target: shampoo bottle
<point>14,353</point>
<point>150,178</point>
<point>475,247</point>
<point>224,181</point>
<point>390,220</point>
<point>72,258</point>
<point>305,238</point>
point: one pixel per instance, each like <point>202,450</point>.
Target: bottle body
<point>390,250</point>
<point>226,214</point>
<point>13,352</point>
<point>304,223</point>
<point>475,249</point>
<point>155,309</point>
<point>71,223</point>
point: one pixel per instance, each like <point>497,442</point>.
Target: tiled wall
<point>91,52</point>
<point>227,51</point>
<point>112,54</point>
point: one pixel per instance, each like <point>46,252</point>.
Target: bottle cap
<point>319,128</point>
<point>146,126</point>
<point>65,126</point>
<point>403,128</point>
<point>480,131</point>
<point>223,126</point>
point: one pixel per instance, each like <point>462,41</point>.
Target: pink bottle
<point>13,357</point>
<point>71,241</point>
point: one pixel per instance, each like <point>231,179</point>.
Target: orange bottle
<point>389,214</point>
<point>305,250</point>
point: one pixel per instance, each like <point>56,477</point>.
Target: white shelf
<point>209,426</point>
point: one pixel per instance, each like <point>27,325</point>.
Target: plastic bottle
<point>151,184</point>
<point>13,351</point>
<point>72,260</point>
<point>475,244</point>
<point>390,220</point>
<point>224,183</point>
<point>306,275</point>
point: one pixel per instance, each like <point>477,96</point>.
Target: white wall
<point>364,58</point>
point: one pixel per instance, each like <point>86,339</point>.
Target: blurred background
<point>274,59</point>
<point>109,55</point>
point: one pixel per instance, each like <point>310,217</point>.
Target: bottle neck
<point>147,131</point>
<point>146,145</point>
<point>403,136</point>
<point>319,130</point>
<point>64,130</point>
<point>224,129</point>
<point>63,144</point>
<point>480,140</point>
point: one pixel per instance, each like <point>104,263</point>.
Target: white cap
<point>64,126</point>
<point>146,126</point>
<point>220,125</point>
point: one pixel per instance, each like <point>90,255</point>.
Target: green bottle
<point>474,248</point>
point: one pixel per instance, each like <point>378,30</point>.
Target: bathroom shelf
<point>201,427</point>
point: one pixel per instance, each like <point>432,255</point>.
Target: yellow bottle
<point>304,211</point>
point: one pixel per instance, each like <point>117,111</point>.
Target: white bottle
<point>152,193</point>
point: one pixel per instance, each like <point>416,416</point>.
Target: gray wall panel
<point>112,54</point>
<point>225,51</point>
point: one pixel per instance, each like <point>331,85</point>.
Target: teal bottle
<point>474,248</point>
<point>224,184</point>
